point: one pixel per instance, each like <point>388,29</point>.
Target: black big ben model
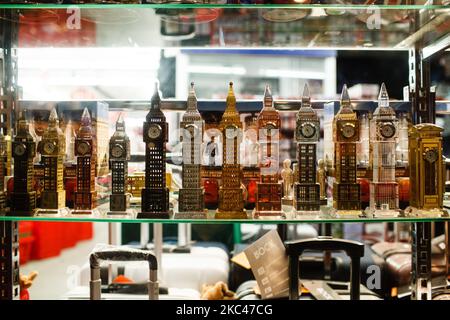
<point>307,134</point>
<point>23,197</point>
<point>53,149</point>
<point>2,173</point>
<point>191,202</point>
<point>346,190</point>
<point>119,155</point>
<point>85,196</point>
<point>155,195</point>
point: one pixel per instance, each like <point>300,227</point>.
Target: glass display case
<point>104,58</point>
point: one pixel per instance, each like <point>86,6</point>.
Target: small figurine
<point>211,151</point>
<point>288,180</point>
<point>322,179</point>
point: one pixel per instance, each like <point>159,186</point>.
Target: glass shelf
<point>344,27</point>
<point>325,216</point>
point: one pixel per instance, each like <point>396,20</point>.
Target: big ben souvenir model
<point>53,149</point>
<point>426,169</point>
<point>231,198</point>
<point>307,134</point>
<point>268,189</point>
<point>191,203</point>
<point>23,197</point>
<point>119,155</point>
<point>383,134</point>
<point>2,173</point>
<point>155,195</point>
<point>346,190</point>
<point>85,196</point>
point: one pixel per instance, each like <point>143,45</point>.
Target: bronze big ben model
<point>2,172</point>
<point>155,195</point>
<point>231,199</point>
<point>119,155</point>
<point>426,167</point>
<point>383,134</point>
<point>191,202</point>
<point>85,196</point>
<point>23,197</point>
<point>307,134</point>
<point>53,149</point>
<point>346,190</point>
<point>268,189</point>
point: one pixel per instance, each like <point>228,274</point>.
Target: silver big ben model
<point>383,134</point>
<point>119,155</point>
<point>191,202</point>
<point>306,188</point>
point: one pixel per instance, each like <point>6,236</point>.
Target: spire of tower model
<point>156,99</point>
<point>120,123</point>
<point>306,98</point>
<point>383,98</point>
<point>231,99</point>
<point>345,100</point>
<point>192,99</point>
<point>268,99</point>
<point>53,118</point>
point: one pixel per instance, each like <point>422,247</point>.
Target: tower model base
<point>23,204</point>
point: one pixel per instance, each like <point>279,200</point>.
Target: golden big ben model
<point>383,134</point>
<point>307,134</point>
<point>119,155</point>
<point>53,148</point>
<point>231,199</point>
<point>426,169</point>
<point>268,189</point>
<point>85,196</point>
<point>2,173</point>
<point>155,195</point>
<point>23,197</point>
<point>191,202</point>
<point>346,190</point>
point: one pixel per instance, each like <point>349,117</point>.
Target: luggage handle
<point>122,254</point>
<point>353,249</point>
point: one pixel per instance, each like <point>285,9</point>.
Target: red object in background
<point>403,189</point>
<point>365,189</point>
<point>69,185</point>
<point>56,28</point>
<point>26,240</point>
<point>24,294</point>
<point>211,192</point>
<point>251,191</point>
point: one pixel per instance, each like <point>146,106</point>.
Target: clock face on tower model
<point>49,147</point>
<point>231,132</point>
<point>83,148</point>
<point>307,130</point>
<point>387,130</point>
<point>269,130</point>
<point>431,155</point>
<point>154,131</point>
<point>348,130</point>
<point>117,151</point>
<point>19,150</point>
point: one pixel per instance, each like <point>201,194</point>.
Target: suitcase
<point>122,254</point>
<point>328,289</point>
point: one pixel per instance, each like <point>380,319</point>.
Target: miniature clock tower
<point>346,190</point>
<point>23,197</point>
<point>426,167</point>
<point>231,199</point>
<point>2,172</point>
<point>191,202</point>
<point>53,149</point>
<point>119,155</point>
<point>155,195</point>
<point>268,189</point>
<point>85,196</point>
<point>383,134</point>
<point>307,134</point>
